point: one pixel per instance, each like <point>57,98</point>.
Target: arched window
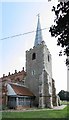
<point>33,56</point>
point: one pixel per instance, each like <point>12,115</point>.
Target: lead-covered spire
<point>38,37</point>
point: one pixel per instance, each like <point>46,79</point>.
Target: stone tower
<point>39,71</point>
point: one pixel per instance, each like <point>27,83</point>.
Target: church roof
<point>38,37</point>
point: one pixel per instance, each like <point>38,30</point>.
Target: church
<point>34,87</point>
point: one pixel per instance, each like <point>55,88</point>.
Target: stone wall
<point>46,93</point>
<point>34,69</point>
<point>54,96</point>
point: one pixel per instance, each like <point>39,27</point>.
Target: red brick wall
<point>16,77</point>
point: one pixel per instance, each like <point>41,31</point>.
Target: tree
<point>64,95</point>
<point>61,27</point>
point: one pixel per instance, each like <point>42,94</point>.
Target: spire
<point>38,37</point>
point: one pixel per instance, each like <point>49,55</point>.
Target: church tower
<point>39,71</point>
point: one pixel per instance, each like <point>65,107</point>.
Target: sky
<point>21,17</point>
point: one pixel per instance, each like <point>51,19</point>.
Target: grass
<point>64,103</point>
<point>0,115</point>
<point>38,114</point>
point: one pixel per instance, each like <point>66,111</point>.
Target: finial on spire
<point>38,37</point>
<point>38,15</point>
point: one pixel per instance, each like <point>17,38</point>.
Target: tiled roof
<point>21,90</point>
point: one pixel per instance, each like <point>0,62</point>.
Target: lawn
<point>64,103</point>
<point>38,114</point>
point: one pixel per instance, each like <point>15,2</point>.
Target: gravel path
<point>34,109</point>
<point>59,107</point>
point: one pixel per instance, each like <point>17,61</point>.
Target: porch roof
<point>21,90</point>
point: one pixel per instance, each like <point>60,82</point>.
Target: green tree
<point>64,95</point>
<point>60,29</point>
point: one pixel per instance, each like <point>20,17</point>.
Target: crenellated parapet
<point>14,77</point>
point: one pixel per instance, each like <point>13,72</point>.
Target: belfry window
<point>33,56</point>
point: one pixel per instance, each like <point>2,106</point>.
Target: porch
<point>18,102</point>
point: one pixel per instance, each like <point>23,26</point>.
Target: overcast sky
<point>21,17</point>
